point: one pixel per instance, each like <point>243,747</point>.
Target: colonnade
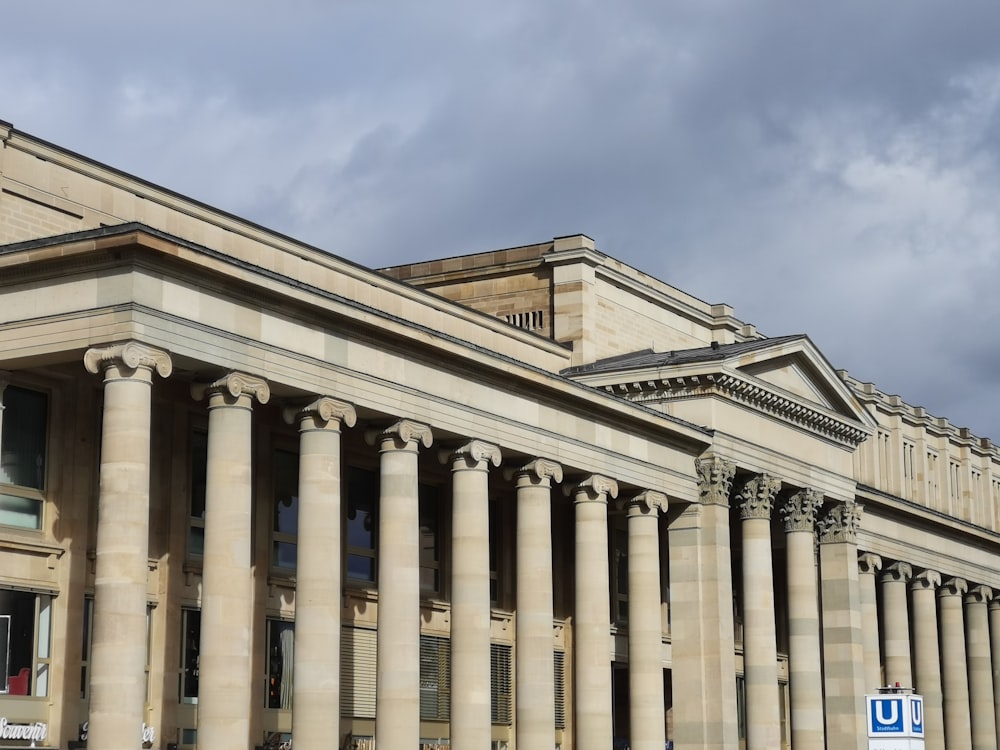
<point>226,701</point>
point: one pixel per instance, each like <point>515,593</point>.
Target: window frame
<point>36,496</point>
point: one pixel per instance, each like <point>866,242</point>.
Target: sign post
<point>895,719</point>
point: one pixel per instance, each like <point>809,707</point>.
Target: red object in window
<point>18,685</point>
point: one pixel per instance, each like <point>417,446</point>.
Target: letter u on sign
<point>886,715</point>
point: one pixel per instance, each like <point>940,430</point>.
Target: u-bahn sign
<point>895,721</point>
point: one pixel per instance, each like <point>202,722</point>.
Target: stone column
<point>977,639</point>
<point>4,382</point>
<point>843,647</point>
<point>926,659</point>
<point>994,618</point>
<point>534,670</point>
<point>118,650</point>
<point>701,589</point>
<point>868,567</point>
<point>592,615</point>
<point>760,650</point>
<point>804,657</point>
<point>316,667</point>
<point>896,624</point>
<point>225,687</point>
<point>470,592</point>
<point>397,677</point>
<point>645,633</point>
<point>955,682</point>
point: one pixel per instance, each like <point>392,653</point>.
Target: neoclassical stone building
<point>252,491</point>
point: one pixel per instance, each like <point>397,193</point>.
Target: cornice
<point>755,394</point>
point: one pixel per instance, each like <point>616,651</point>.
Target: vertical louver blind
<point>357,672</point>
<point>435,678</point>
<point>500,683</point>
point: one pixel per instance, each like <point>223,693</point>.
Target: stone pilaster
<point>702,636</point>
<point>896,624</point>
<point>868,567</point>
<point>760,650</point>
<point>843,646</point>
<point>592,614</point>
<point>535,689</point>
<point>977,640</point>
<point>118,650</point>
<point>955,678</point>
<point>470,592</point>
<point>225,685</point>
<point>926,658</point>
<point>804,657</point>
<point>397,677</point>
<point>645,634</point>
<point>316,667</point>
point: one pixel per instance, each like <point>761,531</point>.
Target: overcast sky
<point>826,168</point>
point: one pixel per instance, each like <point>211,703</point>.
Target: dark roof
<point>648,358</point>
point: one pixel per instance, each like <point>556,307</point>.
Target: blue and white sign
<point>886,716</point>
<point>917,715</point>
<point>895,721</point>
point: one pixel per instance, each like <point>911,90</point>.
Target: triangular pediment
<point>786,378</point>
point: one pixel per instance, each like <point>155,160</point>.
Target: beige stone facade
<point>532,498</point>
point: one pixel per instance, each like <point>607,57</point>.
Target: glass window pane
<point>284,555</point>
<point>22,442</point>
<point>286,492</point>
<point>199,472</point>
<point>360,568</point>
<point>361,509</point>
<point>191,633</point>
<point>23,512</point>
<point>281,655</point>
<point>19,607</point>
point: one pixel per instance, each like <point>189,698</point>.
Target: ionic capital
<point>756,498</point>
<point>898,572</point>
<point>233,386</point>
<point>925,580</point>
<point>870,564</point>
<point>595,489</point>
<point>325,412</point>
<point>953,587</point>
<point>840,524</point>
<point>979,595</point>
<point>536,471</point>
<point>646,502</point>
<point>799,511</point>
<point>715,479</point>
<point>475,454</point>
<point>403,434</point>
<point>129,356</point>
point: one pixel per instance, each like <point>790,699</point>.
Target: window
<point>496,546</point>
<point>361,526</point>
<point>954,480</point>
<point>909,470</point>
<point>435,678</point>
<point>190,643</point>
<point>932,477</point>
<point>88,627</point>
<point>500,683</point>
<point>199,480</point>
<point>620,568</point>
<point>285,525</point>
<point>25,638</point>
<point>280,660</point>
<point>22,457</point>
<point>430,558</point>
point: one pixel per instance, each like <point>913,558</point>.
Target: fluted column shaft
<point>804,657</point>
<point>225,682</point>
<point>843,650</point>
<point>645,635</point>
<point>118,650</point>
<point>760,651</point>
<point>397,676</point>
<point>470,593</point>
<point>957,720</point>
<point>316,666</point>
<point>926,658</point>
<point>868,567</point>
<point>977,639</point>
<point>896,630</point>
<point>534,672</point>
<point>592,615</point>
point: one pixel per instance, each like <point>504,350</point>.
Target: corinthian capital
<point>322,412</point>
<point>756,499</point>
<point>234,385</point>
<point>840,524</point>
<point>130,355</point>
<point>475,454</point>
<point>716,479</point>
<point>595,489</point>
<point>799,511</point>
<point>402,434</point>
<point>647,501</point>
